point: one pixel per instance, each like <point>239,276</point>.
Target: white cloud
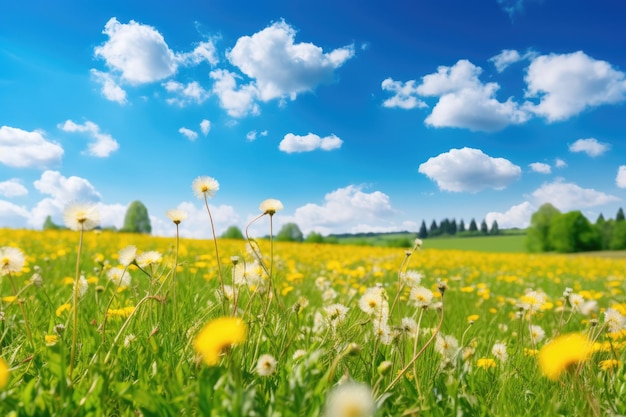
<point>190,134</point>
<point>567,84</point>
<point>470,170</point>
<point>110,89</point>
<point>102,145</point>
<point>137,51</point>
<point>23,149</point>
<point>205,127</point>
<point>517,216</point>
<point>589,146</point>
<point>112,214</point>
<point>405,94</point>
<point>251,135</point>
<point>204,51</point>
<point>540,167</point>
<point>12,215</point>
<point>512,7</point>
<point>282,68</point>
<point>197,224</point>
<point>465,102</point>
<point>620,180</point>
<point>293,143</point>
<point>505,58</point>
<point>559,163</point>
<point>346,208</point>
<point>237,101</point>
<point>569,196</point>
<point>12,188</point>
<point>186,94</point>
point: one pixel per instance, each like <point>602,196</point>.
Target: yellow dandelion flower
<point>218,335</point>
<point>560,353</point>
<point>4,373</point>
<point>609,364</point>
<point>9,299</point>
<point>62,308</point>
<point>530,352</point>
<point>486,363</point>
<point>51,339</point>
<point>472,318</point>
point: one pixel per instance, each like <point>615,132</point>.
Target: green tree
<point>484,229</point>
<point>314,237</point>
<point>473,227</point>
<point>572,232</point>
<point>137,219</point>
<point>618,237</point>
<point>537,238</point>
<point>434,229</point>
<point>461,226</point>
<point>48,224</point>
<point>495,229</point>
<point>423,233</point>
<point>233,232</point>
<point>290,232</point>
<point>619,217</point>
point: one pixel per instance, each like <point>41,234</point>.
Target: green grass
<point>496,244</point>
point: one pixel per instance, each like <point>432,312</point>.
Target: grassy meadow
<point>293,329</point>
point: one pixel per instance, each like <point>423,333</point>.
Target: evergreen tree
<point>453,227</point>
<point>620,215</point>
<point>461,226</point>
<point>444,227</point>
<point>423,233</point>
<point>495,230</point>
<point>48,224</point>
<point>473,227</point>
<point>434,229</point>
<point>137,219</point>
<point>484,229</point>
<point>600,219</point>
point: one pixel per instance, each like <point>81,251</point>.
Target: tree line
<point>450,228</point>
<point>553,231</point>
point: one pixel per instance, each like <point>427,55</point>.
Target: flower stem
<point>75,309</point>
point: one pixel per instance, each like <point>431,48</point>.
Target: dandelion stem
<point>217,254</point>
<point>19,303</point>
<point>75,302</point>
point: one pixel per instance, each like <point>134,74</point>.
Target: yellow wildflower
<point>4,373</point>
<point>51,339</point>
<point>560,353</point>
<point>609,364</point>
<point>471,319</point>
<point>486,363</point>
<point>62,308</point>
<point>218,335</point>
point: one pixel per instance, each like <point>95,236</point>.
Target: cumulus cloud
<point>280,67</point>
<point>62,190</point>
<point>110,89</point>
<point>404,94</point>
<point>589,146</point>
<point>12,188</point>
<point>348,208</point>
<point>251,135</point>
<point>517,216</point>
<point>188,133</point>
<point>137,51</point>
<point>540,167</point>
<point>23,149</point>
<point>559,163</point>
<point>505,58</point>
<point>12,215</point>
<point>463,100</point>
<point>620,180</point>
<point>238,101</point>
<point>205,126</point>
<point>102,144</point>
<point>470,170</point>
<point>197,224</point>
<point>293,143</point>
<point>185,94</point>
<point>568,196</point>
<point>567,84</point>
<point>204,51</point>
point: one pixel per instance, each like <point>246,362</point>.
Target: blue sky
<point>358,115</point>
